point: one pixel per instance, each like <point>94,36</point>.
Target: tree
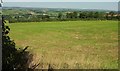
<point>96,15</point>
<point>60,15</point>
<point>83,15</point>
<point>80,15</point>
<point>69,14</point>
<point>75,14</point>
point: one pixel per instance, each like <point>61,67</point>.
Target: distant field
<point>70,44</point>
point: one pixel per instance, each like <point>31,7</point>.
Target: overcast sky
<point>61,0</point>
<point>76,5</point>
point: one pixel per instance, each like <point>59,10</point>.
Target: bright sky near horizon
<point>75,5</point>
<point>89,4</point>
<point>61,0</point>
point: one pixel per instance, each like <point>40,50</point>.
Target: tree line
<point>63,16</point>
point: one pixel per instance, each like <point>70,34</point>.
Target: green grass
<point>70,44</point>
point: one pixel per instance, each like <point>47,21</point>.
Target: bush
<point>13,59</point>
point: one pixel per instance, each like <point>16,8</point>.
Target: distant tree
<point>60,15</point>
<point>69,15</point>
<point>80,15</point>
<point>90,15</point>
<point>96,15</point>
<point>75,14</point>
<point>83,15</point>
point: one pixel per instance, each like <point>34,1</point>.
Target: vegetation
<point>14,59</point>
<point>59,38</point>
<point>69,44</point>
<point>38,15</point>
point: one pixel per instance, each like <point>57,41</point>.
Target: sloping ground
<point>70,44</point>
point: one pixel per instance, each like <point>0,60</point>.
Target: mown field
<point>70,44</point>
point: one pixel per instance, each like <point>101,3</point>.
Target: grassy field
<point>70,44</point>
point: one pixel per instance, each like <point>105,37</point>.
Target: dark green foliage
<point>75,14</point>
<point>60,15</point>
<point>13,59</point>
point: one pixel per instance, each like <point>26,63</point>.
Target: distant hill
<point>56,9</point>
<point>25,10</point>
